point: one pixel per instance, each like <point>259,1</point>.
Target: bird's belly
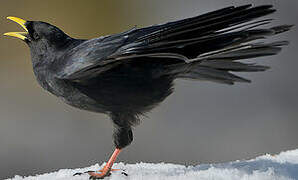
<point>126,94</point>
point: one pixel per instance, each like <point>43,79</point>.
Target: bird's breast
<point>65,91</point>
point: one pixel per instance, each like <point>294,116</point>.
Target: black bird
<point>125,75</point>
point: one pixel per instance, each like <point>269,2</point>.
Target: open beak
<point>20,35</point>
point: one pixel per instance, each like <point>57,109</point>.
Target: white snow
<point>283,166</point>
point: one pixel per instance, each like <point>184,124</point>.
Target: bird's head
<point>38,33</point>
<point>41,37</point>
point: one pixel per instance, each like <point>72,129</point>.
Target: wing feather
<point>223,34</point>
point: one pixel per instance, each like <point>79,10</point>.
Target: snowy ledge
<point>283,166</point>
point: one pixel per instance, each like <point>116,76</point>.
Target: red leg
<point>107,168</point>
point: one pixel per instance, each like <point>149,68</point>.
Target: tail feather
<point>244,52</point>
<point>217,66</point>
<point>233,66</point>
<point>211,74</point>
<point>281,29</point>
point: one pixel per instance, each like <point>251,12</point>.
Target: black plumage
<point>125,75</point>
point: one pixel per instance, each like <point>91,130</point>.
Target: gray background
<point>201,122</point>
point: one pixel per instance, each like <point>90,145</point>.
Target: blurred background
<point>201,122</point>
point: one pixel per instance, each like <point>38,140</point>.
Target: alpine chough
<point>126,75</point>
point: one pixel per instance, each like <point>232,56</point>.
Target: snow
<point>283,166</point>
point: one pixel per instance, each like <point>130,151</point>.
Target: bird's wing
<point>189,38</point>
<point>94,56</point>
<point>217,33</point>
<point>88,56</point>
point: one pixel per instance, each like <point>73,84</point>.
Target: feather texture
<point>200,47</point>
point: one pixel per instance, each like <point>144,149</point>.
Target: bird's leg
<point>107,168</point>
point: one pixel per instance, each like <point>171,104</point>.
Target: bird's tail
<point>217,65</point>
<point>223,51</point>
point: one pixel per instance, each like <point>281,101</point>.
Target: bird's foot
<point>100,174</point>
<point>106,171</point>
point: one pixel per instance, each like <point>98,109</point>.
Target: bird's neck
<point>45,54</point>
<point>42,60</point>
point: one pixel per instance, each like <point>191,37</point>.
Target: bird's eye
<point>35,36</point>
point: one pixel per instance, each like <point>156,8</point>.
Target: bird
<point>126,75</point>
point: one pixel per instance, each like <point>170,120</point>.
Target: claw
<point>124,173</point>
<point>101,175</point>
<point>78,174</point>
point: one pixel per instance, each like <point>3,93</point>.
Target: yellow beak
<point>20,35</point>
